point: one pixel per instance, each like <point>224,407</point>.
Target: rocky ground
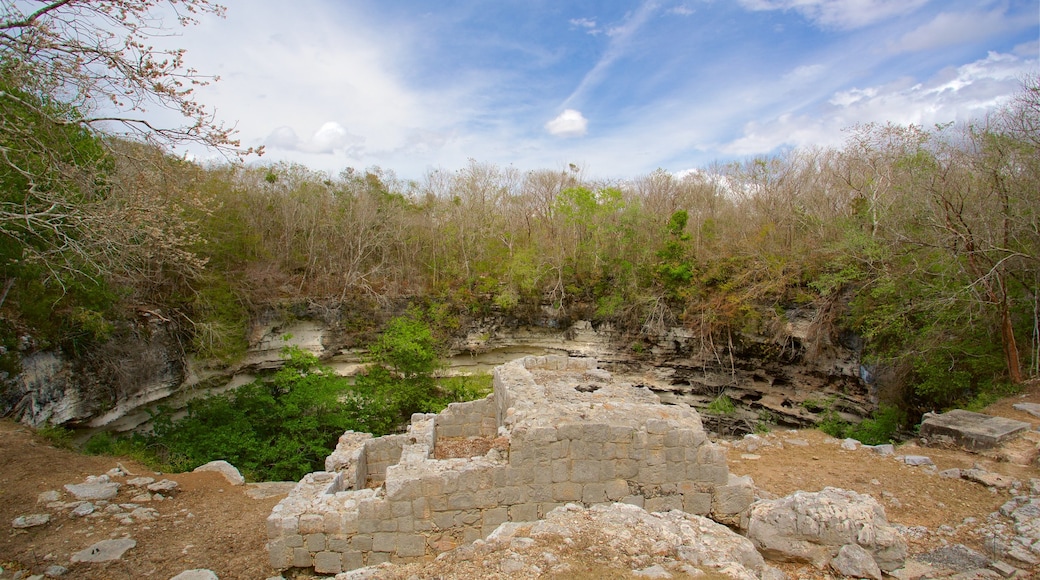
<point>953,521</point>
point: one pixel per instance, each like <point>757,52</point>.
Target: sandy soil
<point>210,524</point>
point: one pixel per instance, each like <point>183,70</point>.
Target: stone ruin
<point>560,430</point>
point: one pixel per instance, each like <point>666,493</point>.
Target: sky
<point>618,88</point>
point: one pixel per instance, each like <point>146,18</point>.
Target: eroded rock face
<point>813,527</point>
<point>778,376</point>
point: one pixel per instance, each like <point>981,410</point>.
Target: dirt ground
<point>208,523</point>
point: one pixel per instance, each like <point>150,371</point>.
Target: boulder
<point>230,472</point>
<point>812,527</point>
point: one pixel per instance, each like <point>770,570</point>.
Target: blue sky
<point>619,88</point>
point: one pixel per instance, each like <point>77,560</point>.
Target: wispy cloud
<point>620,37</point>
<point>842,14</point>
<point>951,28</point>
<point>955,94</point>
<point>586,24</point>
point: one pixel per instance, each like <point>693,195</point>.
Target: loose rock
<point>852,560</point>
<point>93,491</point>
<point>104,551</point>
<point>230,472</point>
<point>197,574</point>
<point>30,521</point>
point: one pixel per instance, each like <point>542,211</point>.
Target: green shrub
<point>56,435</point>
<point>881,428</point>
<point>721,405</point>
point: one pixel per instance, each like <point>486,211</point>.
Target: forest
<point>925,241</point>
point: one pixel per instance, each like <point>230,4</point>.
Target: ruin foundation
<point>564,432</point>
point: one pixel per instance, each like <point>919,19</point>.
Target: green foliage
<point>407,347</point>
<point>278,428</point>
<point>881,428</point>
<point>465,388</point>
<point>219,329</point>
<point>721,405</point>
<point>56,435</point>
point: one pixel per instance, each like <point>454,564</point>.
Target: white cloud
<point>844,14</point>
<point>847,98</point>
<point>956,94</point>
<point>330,138</point>
<point>682,10</point>
<point>570,123</point>
<point>586,23</point>
<point>948,29</point>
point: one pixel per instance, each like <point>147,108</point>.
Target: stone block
<point>470,535</point>
<point>636,500</point>
<point>411,545</point>
<point>302,558</point>
<point>616,489</point>
<point>495,516</point>
<point>378,558</point>
<point>626,468</point>
<point>353,560</point>
<point>432,484</point>
<point>541,436</point>
<point>585,471</point>
<point>710,474</point>
<point>339,544</point>
<point>444,519</point>
<point>279,555</point>
<point>546,507</point>
<point>400,508</point>
<point>657,426</point>
<point>485,498</point>
<point>361,543</point>
<point>596,432</point>
<point>386,525</point>
<point>526,512</point>
<point>401,487</point>
<point>328,563</point>
<point>697,503</point>
<point>560,449</point>
<point>567,491</point>
<point>594,493</point>
<point>384,542</point>
<point>461,501</point>
<point>437,503</point>
<point>974,431</point>
<point>314,542</point>
<point>509,496</point>
<point>569,431</point>
<point>421,508</point>
<point>663,503</point>
<point>675,472</point>
<point>405,524</point>
<point>367,525</point>
<point>651,475</point>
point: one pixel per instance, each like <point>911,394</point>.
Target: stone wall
<point>574,436</point>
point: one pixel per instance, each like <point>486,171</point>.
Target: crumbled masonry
<point>574,436</point>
